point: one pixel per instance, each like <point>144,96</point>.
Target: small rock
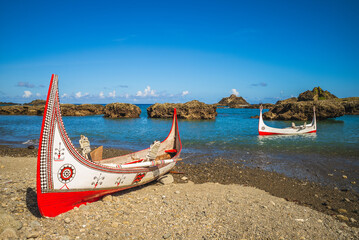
<point>166,180</point>
<point>8,233</point>
<point>31,147</point>
<point>347,199</point>
<point>330,174</point>
<point>82,230</point>
<point>353,182</point>
<point>329,207</point>
<point>319,221</point>
<point>345,176</point>
<point>341,210</point>
<point>342,217</point>
<point>35,224</point>
<point>64,238</point>
<point>2,166</point>
<point>114,224</point>
<point>353,220</point>
<point>184,178</point>
<point>273,203</point>
<point>167,235</point>
<point>177,192</point>
<point>107,198</point>
<point>33,234</point>
<point>299,220</point>
<point>67,220</point>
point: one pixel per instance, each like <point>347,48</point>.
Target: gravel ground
<point>155,211</point>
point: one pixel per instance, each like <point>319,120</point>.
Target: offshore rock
<point>36,102</point>
<point>316,94</point>
<point>233,102</point>
<point>190,110</point>
<point>81,110</point>
<point>257,106</point>
<point>304,110</point>
<point>351,105</point>
<point>121,110</point>
<point>66,110</point>
<point>289,100</point>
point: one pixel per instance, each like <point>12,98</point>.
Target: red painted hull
<point>53,204</point>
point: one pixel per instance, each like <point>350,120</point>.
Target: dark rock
<point>8,103</point>
<point>36,102</point>
<point>31,147</point>
<point>122,110</point>
<point>289,100</point>
<point>189,110</point>
<point>66,110</point>
<point>351,105</point>
<point>257,106</point>
<point>233,102</point>
<point>81,110</point>
<point>304,110</point>
<point>316,94</point>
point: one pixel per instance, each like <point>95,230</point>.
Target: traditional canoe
<point>263,129</point>
<point>66,179</point>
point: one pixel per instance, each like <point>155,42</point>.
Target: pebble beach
<point>219,206</point>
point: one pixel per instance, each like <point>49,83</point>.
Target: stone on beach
<point>166,179</point>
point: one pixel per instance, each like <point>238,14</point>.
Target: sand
<point>155,211</point>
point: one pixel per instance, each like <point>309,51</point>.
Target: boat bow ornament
<point>305,128</point>
<point>66,179</point>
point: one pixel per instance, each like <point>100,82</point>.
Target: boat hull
<point>66,179</point>
<point>264,130</point>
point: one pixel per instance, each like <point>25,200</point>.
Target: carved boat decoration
<point>263,129</point>
<point>66,179</point>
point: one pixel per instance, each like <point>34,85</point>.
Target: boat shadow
<point>31,202</point>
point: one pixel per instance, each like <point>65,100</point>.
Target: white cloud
<point>101,95</point>
<point>127,95</point>
<point>38,94</point>
<point>80,95</point>
<point>64,95</point>
<point>234,91</point>
<point>112,94</point>
<point>148,92</point>
<point>184,93</point>
<point>27,94</point>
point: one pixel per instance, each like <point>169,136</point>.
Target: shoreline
<point>325,199</point>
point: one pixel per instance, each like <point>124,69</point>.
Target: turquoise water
<point>233,135</point>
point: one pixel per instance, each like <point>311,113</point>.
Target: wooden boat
<point>66,179</point>
<point>305,128</point>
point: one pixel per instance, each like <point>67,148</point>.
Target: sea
<point>322,157</point>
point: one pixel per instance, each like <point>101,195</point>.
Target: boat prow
<point>66,179</point>
<point>263,129</point>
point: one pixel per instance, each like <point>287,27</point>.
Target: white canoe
<point>66,179</point>
<point>263,129</point>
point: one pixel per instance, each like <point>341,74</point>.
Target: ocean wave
<point>31,142</point>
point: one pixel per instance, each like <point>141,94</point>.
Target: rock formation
<point>316,94</point>
<point>81,110</point>
<point>351,105</point>
<point>189,110</point>
<point>66,110</point>
<point>327,106</point>
<point>121,110</point>
<point>304,110</point>
<point>36,102</point>
<point>233,102</point>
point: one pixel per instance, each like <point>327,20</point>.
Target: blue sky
<point>176,51</point>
